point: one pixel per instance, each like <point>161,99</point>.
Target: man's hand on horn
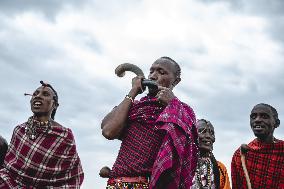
<point>165,95</point>
<point>136,86</point>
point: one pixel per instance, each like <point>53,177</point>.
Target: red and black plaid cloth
<point>265,165</point>
<point>178,155</point>
<point>51,160</point>
<point>140,140</point>
<point>150,126</point>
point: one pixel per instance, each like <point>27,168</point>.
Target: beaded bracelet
<point>129,97</point>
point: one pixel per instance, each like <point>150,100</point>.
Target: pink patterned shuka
<point>178,154</point>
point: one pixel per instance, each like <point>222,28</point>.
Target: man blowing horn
<point>158,134</point>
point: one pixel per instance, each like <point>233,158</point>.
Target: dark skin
<point>3,149</point>
<point>263,123</point>
<point>162,72</point>
<point>42,103</point>
<point>206,137</point>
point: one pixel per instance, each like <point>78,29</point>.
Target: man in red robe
<point>42,153</point>
<point>158,135</point>
<point>264,159</point>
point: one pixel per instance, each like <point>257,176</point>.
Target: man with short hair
<point>159,138</point>
<point>42,153</point>
<point>263,163</point>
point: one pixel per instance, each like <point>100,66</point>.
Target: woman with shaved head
<point>210,173</point>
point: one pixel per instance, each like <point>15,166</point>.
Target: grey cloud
<point>227,99</point>
<point>262,7</point>
<point>87,40</point>
<point>277,28</point>
<point>233,4</point>
<point>49,8</point>
<point>270,10</point>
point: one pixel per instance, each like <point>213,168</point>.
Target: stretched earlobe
<point>55,105</point>
<point>277,123</point>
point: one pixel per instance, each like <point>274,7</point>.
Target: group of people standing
<point>163,146</point>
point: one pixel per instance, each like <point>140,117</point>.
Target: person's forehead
<point>163,64</point>
<point>261,109</point>
<point>202,124</point>
<point>44,88</point>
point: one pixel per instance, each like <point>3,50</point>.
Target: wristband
<point>129,97</point>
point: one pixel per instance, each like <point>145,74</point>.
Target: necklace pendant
<point>34,128</point>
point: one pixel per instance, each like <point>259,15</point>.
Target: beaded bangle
<point>129,97</point>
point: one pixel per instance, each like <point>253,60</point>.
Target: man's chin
<point>152,92</point>
<point>206,148</point>
<point>260,136</point>
<point>39,113</point>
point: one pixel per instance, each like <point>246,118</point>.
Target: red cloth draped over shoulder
<point>51,160</point>
<point>177,156</point>
<point>265,165</point>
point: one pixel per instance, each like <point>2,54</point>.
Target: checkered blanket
<point>265,165</point>
<point>49,161</point>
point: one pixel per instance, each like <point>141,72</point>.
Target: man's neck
<point>204,154</point>
<point>41,118</point>
<point>268,140</point>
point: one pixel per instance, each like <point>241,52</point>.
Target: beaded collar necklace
<point>204,171</point>
<point>35,127</point>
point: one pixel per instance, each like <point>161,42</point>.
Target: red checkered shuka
<point>51,160</point>
<point>140,141</point>
<point>265,165</point>
<point>154,129</point>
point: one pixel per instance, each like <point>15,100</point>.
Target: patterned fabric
<point>204,178</point>
<point>177,158</point>
<point>224,178</point>
<point>127,186</point>
<point>140,141</point>
<point>265,165</point>
<point>49,161</point>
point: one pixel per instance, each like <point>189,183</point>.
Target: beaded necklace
<point>204,170</point>
<point>35,127</point>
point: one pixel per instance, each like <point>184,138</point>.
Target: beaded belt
<point>128,182</point>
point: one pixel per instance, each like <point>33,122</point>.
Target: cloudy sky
<point>231,56</point>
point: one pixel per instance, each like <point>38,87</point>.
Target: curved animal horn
<point>122,68</point>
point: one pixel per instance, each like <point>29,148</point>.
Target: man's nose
<point>257,119</point>
<point>207,134</point>
<point>153,76</point>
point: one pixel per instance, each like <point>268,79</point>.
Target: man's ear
<point>177,80</point>
<point>55,104</point>
<point>277,123</point>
